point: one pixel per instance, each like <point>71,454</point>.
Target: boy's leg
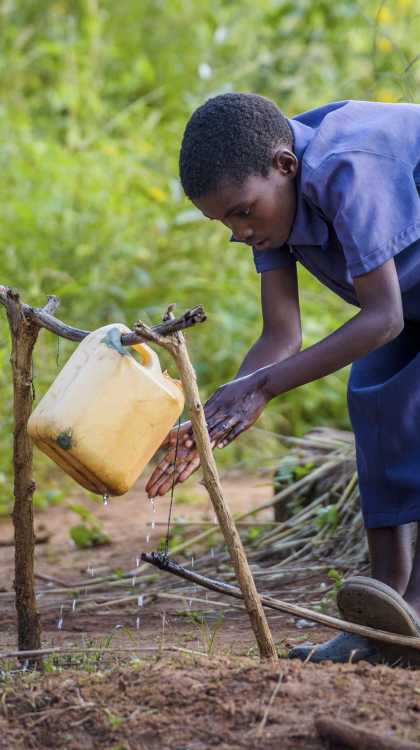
<point>391,556</point>
<point>412,593</point>
<point>384,406</point>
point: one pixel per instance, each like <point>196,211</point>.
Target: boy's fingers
<point>230,437</point>
<point>161,468</point>
<point>220,430</point>
<point>176,434</point>
<point>165,475</point>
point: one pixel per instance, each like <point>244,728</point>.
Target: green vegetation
<point>94,99</point>
<point>88,533</point>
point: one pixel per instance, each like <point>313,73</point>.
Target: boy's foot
<point>344,648</point>
<point>367,601</point>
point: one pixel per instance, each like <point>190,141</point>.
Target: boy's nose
<point>244,235</point>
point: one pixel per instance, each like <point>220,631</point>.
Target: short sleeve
<point>373,203</point>
<point>269,260</point>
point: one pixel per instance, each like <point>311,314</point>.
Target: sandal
<point>367,601</point>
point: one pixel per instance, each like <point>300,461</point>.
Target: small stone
<point>302,623</point>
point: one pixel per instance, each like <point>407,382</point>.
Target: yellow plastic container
<point>106,414</point>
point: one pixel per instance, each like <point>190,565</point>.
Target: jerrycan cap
<point>112,338</point>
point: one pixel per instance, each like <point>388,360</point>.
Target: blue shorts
<point>384,407</point>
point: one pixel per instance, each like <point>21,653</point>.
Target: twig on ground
<point>341,733</point>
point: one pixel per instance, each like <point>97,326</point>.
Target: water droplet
<point>192,562</point>
<point>137,562</point>
<point>60,619</point>
<point>153,524</point>
<point>140,600</point>
<point>148,539</point>
<point>90,570</point>
<point>25,665</point>
<point>73,606</point>
<point>152,500</point>
<point>133,581</point>
<point>105,499</point>
<point>212,552</point>
<point>189,603</point>
<point>137,623</point>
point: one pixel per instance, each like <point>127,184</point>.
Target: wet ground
<point>172,667</point>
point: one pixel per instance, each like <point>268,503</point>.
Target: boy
<point>337,189</point>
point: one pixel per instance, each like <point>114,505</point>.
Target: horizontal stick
<point>345,734</point>
<point>163,563</point>
<point>82,650</point>
<point>45,320</point>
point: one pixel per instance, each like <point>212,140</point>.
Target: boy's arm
<point>281,334</point>
<point>379,320</point>
<point>280,338</point>
<point>235,406</point>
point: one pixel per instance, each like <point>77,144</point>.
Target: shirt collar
<point>309,228</point>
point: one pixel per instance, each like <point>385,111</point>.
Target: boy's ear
<point>286,162</point>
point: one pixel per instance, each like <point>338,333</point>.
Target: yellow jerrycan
<point>106,414</point>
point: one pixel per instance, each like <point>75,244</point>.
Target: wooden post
<point>177,346</point>
<point>25,322</point>
<point>246,582</point>
<point>24,335</point>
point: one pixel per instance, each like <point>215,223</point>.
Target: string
<point>57,356</point>
<point>172,489</point>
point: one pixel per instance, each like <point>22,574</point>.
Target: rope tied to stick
<point>166,553</point>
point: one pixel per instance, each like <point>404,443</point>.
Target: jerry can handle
<point>148,356</point>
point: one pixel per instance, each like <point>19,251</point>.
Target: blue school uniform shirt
<point>358,201</point>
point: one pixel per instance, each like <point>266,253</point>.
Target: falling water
<point>140,600</point>
<point>133,581</point>
<point>105,499</point>
<point>148,539</point>
<point>73,606</point>
<point>137,562</point>
<point>138,623</point>
<point>60,619</point>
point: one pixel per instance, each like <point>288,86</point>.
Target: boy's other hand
<point>233,408</point>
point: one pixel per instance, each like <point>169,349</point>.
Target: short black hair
<point>230,137</point>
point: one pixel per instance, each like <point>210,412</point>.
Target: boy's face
<point>261,210</point>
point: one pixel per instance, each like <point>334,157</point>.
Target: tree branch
<point>343,734</point>
<point>43,318</point>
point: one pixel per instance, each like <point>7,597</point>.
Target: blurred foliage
<point>94,99</point>
<point>88,533</point>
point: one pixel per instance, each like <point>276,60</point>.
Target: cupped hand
<point>232,409</point>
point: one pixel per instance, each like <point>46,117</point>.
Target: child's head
<point>237,166</point>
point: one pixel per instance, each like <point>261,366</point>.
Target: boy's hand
<point>233,408</point>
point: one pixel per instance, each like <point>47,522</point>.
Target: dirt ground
<point>189,677</point>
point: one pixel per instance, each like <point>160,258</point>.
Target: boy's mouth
<point>261,244</point>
